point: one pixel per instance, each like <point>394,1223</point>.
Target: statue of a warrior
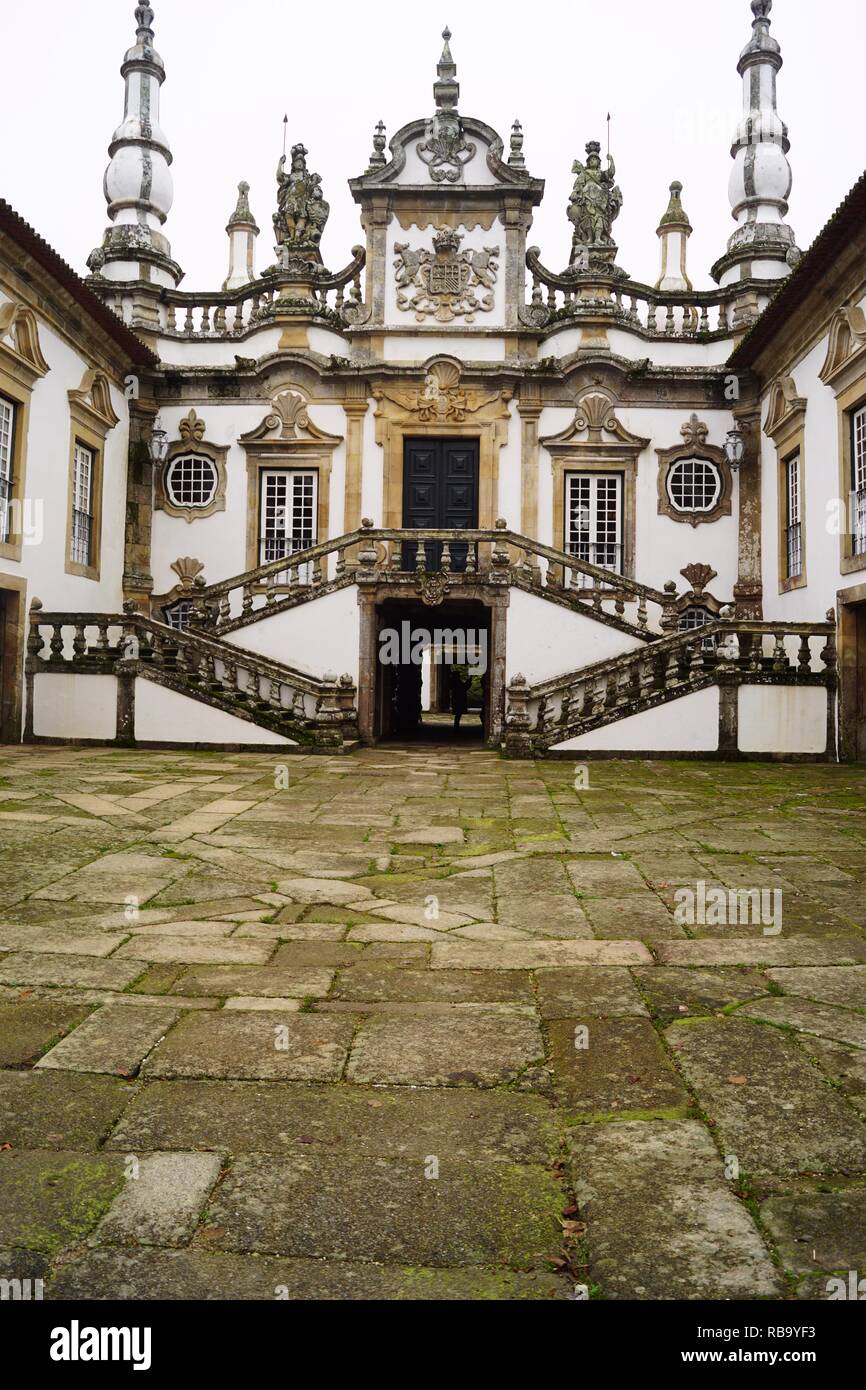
<point>595,199</point>
<point>301,208</point>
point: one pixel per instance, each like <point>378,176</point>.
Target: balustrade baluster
<point>471,558</point>
<point>780,656</point>
<point>804,654</point>
<point>57,641</point>
<point>446,558</point>
<point>188,323</point>
<point>223,610</point>
<point>696,659</point>
<point>704,324</point>
<point>642,612</point>
<point>171,319</point>
<point>247,601</point>
<point>420,558</point>
<point>79,641</point>
<point>669,321</point>
<point>271,595</point>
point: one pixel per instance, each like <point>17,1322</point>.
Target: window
<point>191,481</point>
<point>694,485</point>
<point>858,478</point>
<point>288,515</point>
<point>793,526</point>
<point>7,455</point>
<point>179,614</point>
<point>81,552</point>
<point>594,520</point>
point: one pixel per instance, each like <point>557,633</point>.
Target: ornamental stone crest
<point>301,208</point>
<point>445,148</point>
<point>446,283</point>
<point>595,203</point>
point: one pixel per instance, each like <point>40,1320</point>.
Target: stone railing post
<point>518,743</point>
<point>328,730</point>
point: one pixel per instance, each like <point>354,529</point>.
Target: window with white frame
<point>694,485</point>
<point>191,481</point>
<point>858,478</point>
<point>288,514</point>
<point>694,617</point>
<point>82,505</point>
<point>593,526</point>
<point>793,520</point>
<point>179,614</point>
<point>7,447</point>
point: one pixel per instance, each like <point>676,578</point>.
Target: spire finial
<point>761,10</point>
<point>378,159</point>
<point>144,19</point>
<point>515,158</point>
<point>446,89</point>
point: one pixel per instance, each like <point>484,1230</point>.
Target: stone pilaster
<point>529,409</point>
<point>748,590</point>
<point>137,578</point>
<point>356,409</point>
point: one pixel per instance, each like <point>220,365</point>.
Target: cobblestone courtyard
<point>425,1025</point>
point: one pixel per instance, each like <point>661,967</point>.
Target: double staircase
<point>209,663</point>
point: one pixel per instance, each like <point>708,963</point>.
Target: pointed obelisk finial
<point>446,89</point>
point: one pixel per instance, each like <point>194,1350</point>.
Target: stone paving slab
<point>378,983</point>
<point>764,950</point>
<point>252,1045</point>
<point>773,1110</point>
<point>218,981</point>
<point>51,1110</point>
<point>839,1025</point>
<point>662,1223</point>
<point>580,991</point>
<point>476,1046</point>
<point>673,991</point>
<point>818,1230</point>
<point>187,950</point>
<point>376,1209</point>
<point>20,968</point>
<point>114,1039</point>
<point>50,1201</point>
<point>28,1027</point>
<point>386,1122</point>
<point>536,954</point>
<point>161,1200</point>
<point>143,1275</point>
<point>842,985</point>
<point>604,1066</point>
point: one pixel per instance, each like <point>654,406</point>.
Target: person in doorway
<point>459,700</point>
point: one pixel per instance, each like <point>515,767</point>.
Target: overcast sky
<point>665,69</point>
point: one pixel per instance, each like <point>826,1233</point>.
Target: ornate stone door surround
<point>439,405</point>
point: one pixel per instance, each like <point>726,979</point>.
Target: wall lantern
<point>735,448</point>
<point>158,446</point>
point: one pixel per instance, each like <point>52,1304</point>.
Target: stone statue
<point>595,200</point>
<point>301,208</point>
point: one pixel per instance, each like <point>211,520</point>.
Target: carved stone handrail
<point>311,709</point>
<point>734,650</point>
<point>574,294</point>
<point>404,555</point>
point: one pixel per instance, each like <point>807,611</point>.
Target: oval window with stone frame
<point>191,480</point>
<point>694,485</point>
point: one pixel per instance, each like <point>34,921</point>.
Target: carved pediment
<point>187,570</point>
<point>288,423</point>
<point>595,426</point>
<point>786,409</point>
<point>92,400</point>
<point>442,398</point>
<point>846,345</point>
<point>19,342</point>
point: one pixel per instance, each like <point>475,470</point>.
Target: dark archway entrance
<point>433,672</point>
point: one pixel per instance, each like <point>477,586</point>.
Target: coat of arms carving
<point>446,283</point>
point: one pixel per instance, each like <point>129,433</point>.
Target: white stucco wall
<point>782,719</point>
<point>687,725</point>
<point>71,706</point>
<point>164,716</point>
<point>314,638</point>
<point>544,640</point>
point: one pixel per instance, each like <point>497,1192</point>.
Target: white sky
<point>665,69</point>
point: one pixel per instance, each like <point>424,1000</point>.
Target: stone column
<point>748,590</point>
<point>137,578</point>
<point>356,409</point>
<point>529,410</point>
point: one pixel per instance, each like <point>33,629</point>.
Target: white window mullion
<point>82,505</point>
<point>7,437</point>
<point>594,520</point>
<point>289,505</point>
<point>858,470</point>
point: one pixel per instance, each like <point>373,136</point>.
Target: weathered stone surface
<point>59,940</point>
<point>299,1047</point>
<point>220,981</point>
<point>469,1047</point>
<point>533,955</point>
<point>161,1201</point>
<point>322,890</point>
<point>331,1208</point>
<point>764,950</point>
<point>839,1025</point>
<point>30,1026</point>
<point>330,955</point>
<point>621,1067</point>
<point>204,951</point>
<point>448,986</point>
<point>114,1039</point>
<point>844,1065</point>
<point>388,1122</point>
<point>773,1110</point>
<point>818,1230</point>
<point>142,1275</point>
<point>50,1201</point>
<point>631,918</point>
<point>49,1110</point>
<point>20,968</point>
<point>844,985</point>
<point>605,878</point>
<point>581,991</point>
<point>676,990</point>
<point>662,1223</point>
<point>432,835</point>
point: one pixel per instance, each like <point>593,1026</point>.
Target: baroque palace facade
<point>650,500</point>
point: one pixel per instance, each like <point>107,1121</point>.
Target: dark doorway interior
<point>10,665</point>
<point>420,700</point>
<point>440,488</point>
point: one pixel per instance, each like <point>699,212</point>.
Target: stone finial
<point>761,9</point>
<point>144,19</point>
<point>242,216</point>
<point>676,215</point>
<point>515,158</point>
<point>446,89</point>
<point>378,159</point>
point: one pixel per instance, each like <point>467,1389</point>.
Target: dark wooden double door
<point>440,489</point>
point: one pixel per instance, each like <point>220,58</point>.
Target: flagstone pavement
<point>425,1024</point>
